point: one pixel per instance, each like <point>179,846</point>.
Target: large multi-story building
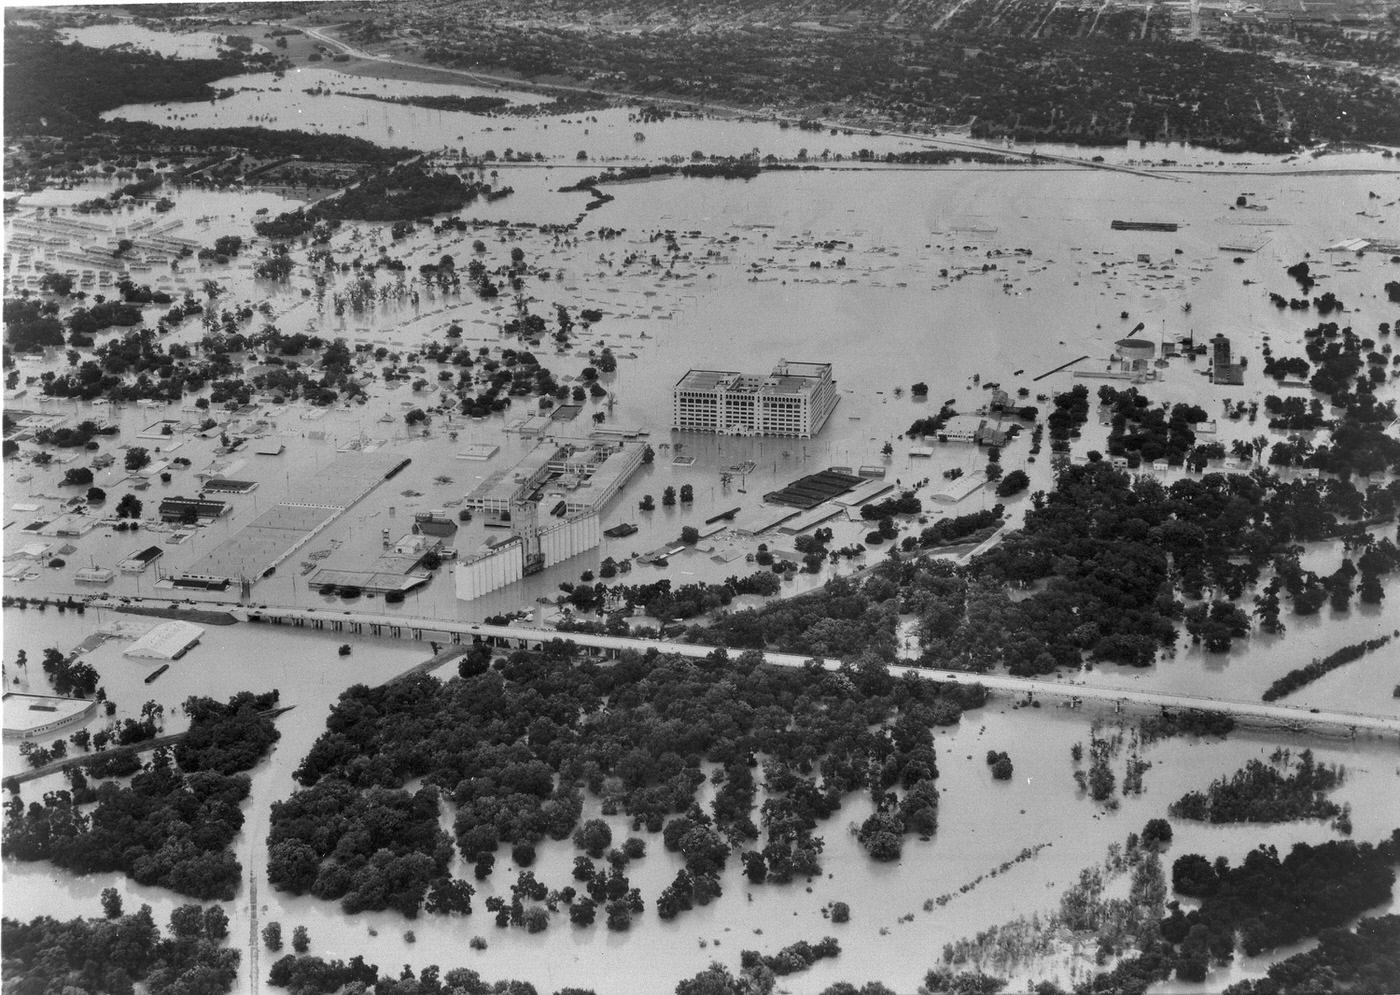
<point>794,400</point>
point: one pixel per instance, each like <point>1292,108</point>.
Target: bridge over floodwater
<point>1289,717</point>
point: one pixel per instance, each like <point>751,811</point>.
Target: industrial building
<point>183,509</point>
<point>571,481</point>
<point>581,477</point>
<point>794,400</point>
<point>1222,371</point>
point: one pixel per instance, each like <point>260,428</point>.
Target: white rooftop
<point>166,641</point>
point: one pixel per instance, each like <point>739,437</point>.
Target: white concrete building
<point>794,400</point>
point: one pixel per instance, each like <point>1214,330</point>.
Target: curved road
<point>489,80</point>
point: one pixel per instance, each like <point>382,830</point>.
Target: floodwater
<point>982,824</point>
<point>744,295</point>
<point>916,300</point>
<point>280,101</point>
<point>171,44</point>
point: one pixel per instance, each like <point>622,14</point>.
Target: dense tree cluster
<point>311,975</point>
<point>659,599</point>
<point>1070,412</point>
<point>792,958</point>
<point>514,746</point>
<point>1266,792</point>
<point>1365,960</point>
<point>1140,431</point>
<point>32,325</point>
<point>114,953</point>
<point>376,849</point>
<point>843,619</point>
<point>227,737</point>
<point>390,195</point>
<point>1300,676</point>
<point>53,89</point>
<point>903,503</point>
<point>1108,553</point>
<point>70,676</point>
<point>1272,902</point>
<point>166,827</point>
<point>962,528</point>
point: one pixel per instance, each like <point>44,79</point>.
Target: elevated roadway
<point>454,631</point>
<point>491,80</point>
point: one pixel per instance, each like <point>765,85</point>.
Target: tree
<point>111,903</point>
<point>1013,483</point>
<point>215,923</point>
<point>60,284</point>
<point>593,837</point>
<point>690,535</point>
<point>687,494</point>
<point>187,922</point>
<point>668,496</point>
<point>272,936</point>
<point>1001,770</point>
<point>76,476</point>
<point>1157,832</point>
<point>840,912</point>
<point>136,458</point>
<point>129,506</point>
<point>301,940</point>
<point>96,495</point>
<point>583,912</point>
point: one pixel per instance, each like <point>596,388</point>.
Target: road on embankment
<point>420,628</point>
<point>495,81</point>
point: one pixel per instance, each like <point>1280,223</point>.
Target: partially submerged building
<point>166,641</point>
<point>794,400</point>
<point>1222,370</point>
<point>571,481</point>
<point>183,509</point>
<point>29,716</point>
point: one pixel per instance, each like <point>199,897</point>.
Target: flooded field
<point>172,44</point>
<point>960,277</point>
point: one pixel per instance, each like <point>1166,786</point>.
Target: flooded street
<point>962,277</point>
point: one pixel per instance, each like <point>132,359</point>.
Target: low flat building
<point>29,716</point>
<point>137,562</point>
<point>183,509</point>
<point>794,400</point>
